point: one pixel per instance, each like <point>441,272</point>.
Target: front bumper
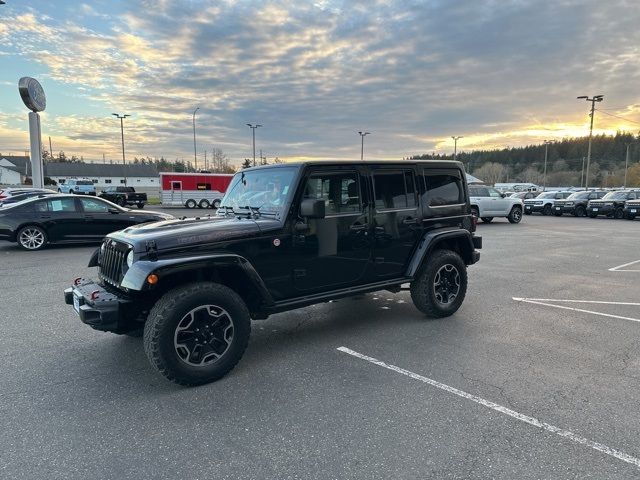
<point>632,211</point>
<point>533,208</point>
<point>98,308</point>
<point>564,209</point>
<point>600,210</point>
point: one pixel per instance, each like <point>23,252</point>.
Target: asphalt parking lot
<point>532,378</point>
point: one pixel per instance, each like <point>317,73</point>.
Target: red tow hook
<point>94,295</point>
<point>76,282</point>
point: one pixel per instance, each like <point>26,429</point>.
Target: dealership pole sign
<point>34,98</point>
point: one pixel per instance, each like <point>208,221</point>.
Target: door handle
<point>357,228</point>
<point>410,221</point>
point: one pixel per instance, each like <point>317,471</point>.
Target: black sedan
<point>36,222</point>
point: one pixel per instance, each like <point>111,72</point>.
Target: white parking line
<point>620,267</point>
<point>500,409</point>
<point>543,302</point>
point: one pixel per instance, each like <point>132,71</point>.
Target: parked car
<point>631,209</point>
<point>85,187</point>
<point>12,195</point>
<point>524,195</point>
<point>285,236</point>
<point>612,204</point>
<point>36,222</point>
<point>124,196</point>
<point>487,203</point>
<point>544,202</point>
<point>576,203</point>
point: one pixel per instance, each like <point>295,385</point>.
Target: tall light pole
<point>546,154</point>
<point>596,98</point>
<point>582,173</point>
<point>455,147</point>
<point>253,129</point>
<point>626,165</point>
<point>195,152</point>
<point>124,163</point>
<point>362,135</point>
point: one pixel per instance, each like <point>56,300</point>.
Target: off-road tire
<point>121,201</point>
<point>515,215</point>
<point>140,206</point>
<point>423,290</point>
<point>487,219</point>
<point>166,316</point>
<point>547,209</point>
<point>475,212</point>
<point>580,211</point>
<point>618,213</point>
<point>32,238</point>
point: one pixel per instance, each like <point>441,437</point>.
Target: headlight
<point>130,258</point>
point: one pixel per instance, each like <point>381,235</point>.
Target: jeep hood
<point>190,231</point>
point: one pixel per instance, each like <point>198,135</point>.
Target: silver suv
<point>487,203</point>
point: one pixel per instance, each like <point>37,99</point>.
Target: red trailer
<point>193,190</point>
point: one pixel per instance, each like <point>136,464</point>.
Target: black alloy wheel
<point>579,211</point>
<point>197,333</point>
<point>515,216</point>
<point>547,209</point>
<point>618,213</point>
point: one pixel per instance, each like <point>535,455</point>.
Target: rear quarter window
<point>442,189</point>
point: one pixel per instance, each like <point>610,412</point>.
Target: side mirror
<point>312,208</point>
<point>503,195</point>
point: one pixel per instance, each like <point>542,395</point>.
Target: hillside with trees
<point>564,162</point>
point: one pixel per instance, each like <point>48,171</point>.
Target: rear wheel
<point>32,237</point>
<point>441,285</point>
<point>121,201</point>
<point>197,333</point>
<point>190,203</point>
<point>141,205</point>
<point>487,219</point>
<point>515,215</point>
<point>579,211</point>
<point>204,204</point>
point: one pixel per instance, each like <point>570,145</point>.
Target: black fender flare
<point>136,276</point>
<point>432,238</point>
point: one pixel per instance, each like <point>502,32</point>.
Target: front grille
<point>112,261</point>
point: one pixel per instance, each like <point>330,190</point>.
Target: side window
<point>494,193</point>
<point>442,190</point>
<point>62,205</point>
<point>93,206</point>
<point>394,189</point>
<point>41,206</point>
<point>340,191</point>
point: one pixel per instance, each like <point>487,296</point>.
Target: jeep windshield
<point>262,191</point>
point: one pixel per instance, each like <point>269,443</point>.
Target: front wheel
<point>580,211</point>
<point>140,206</point>
<point>197,333</point>
<point>122,202</point>
<point>593,215</point>
<point>618,214</point>
<point>515,215</point>
<point>547,209</point>
<point>440,287</point>
<point>32,237</point>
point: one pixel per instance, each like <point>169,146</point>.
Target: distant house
<point>104,174</point>
<point>15,169</point>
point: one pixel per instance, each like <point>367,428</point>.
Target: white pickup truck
<point>488,203</point>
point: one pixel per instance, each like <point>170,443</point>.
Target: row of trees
<point>565,162</point>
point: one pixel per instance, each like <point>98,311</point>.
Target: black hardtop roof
<point>346,163</point>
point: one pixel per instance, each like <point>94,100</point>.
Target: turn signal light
<point>152,279</point>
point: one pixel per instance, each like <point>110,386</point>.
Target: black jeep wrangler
<point>286,236</point>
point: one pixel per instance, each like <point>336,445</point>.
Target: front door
<point>395,222</point>
<point>499,204</point>
<point>333,251</point>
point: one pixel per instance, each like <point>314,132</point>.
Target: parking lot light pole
<point>582,172</point>
<point>455,147</point>
<point>596,98</point>
<point>626,165</point>
<point>362,135</point>
<point>124,163</point>
<point>195,154</point>
<point>546,154</point>
<point>253,128</point>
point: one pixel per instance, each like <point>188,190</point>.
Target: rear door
<point>396,227</point>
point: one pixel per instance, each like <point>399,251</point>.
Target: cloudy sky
<point>498,72</point>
